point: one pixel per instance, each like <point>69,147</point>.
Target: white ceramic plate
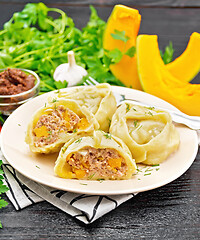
<point>40,167</point>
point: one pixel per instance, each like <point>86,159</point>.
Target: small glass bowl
<point>8,103</point>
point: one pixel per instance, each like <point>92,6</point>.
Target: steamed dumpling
<point>99,100</point>
<point>100,156</point>
<point>149,133</point>
<point>57,122</point>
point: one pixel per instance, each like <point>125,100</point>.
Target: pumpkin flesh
<point>157,80</point>
<point>125,19</point>
<point>187,65</point>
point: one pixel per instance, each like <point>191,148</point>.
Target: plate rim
<point>84,190</point>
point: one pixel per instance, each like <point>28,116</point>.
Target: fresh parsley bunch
<point>34,40</point>
<point>3,189</point>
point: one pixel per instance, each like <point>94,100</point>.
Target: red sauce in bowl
<point>15,81</point>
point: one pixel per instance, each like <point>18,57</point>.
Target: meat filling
<point>50,125</point>
<point>105,163</point>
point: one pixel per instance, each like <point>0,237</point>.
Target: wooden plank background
<point>170,212</point>
<point>143,3</point>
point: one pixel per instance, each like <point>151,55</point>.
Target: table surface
<point>169,212</point>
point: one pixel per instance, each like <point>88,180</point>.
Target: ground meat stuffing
<point>96,161</point>
<point>58,120</point>
<point>14,81</point>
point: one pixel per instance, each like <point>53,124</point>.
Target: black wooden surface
<point>169,212</point>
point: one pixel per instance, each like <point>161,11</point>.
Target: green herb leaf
<point>131,52</point>
<point>115,55</point>
<point>79,140</point>
<point>127,107</point>
<point>108,135</point>
<point>60,84</point>
<point>135,122</point>
<point>167,56</point>
<point>120,35</point>
<point>3,189</point>
<point>91,176</point>
<point>32,39</point>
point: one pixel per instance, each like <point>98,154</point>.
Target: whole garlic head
<point>70,72</point>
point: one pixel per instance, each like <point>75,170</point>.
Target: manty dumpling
<point>57,122</point>
<point>148,132</point>
<point>95,157</point>
<point>99,100</point>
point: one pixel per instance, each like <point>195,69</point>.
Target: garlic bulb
<point>70,72</point>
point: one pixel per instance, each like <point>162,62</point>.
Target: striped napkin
<point>86,208</point>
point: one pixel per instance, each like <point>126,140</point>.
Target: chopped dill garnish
<point>79,140</point>
<point>63,149</point>
<point>91,176</point>
<point>138,170</point>
<point>134,174</point>
<point>134,109</point>
<point>147,174</point>
<point>100,180</point>
<point>151,108</point>
<point>54,100</point>
<point>127,107</point>
<point>148,170</point>
<point>75,130</point>
<point>107,135</point>
<point>109,122</point>
<point>19,124</point>
<point>150,113</point>
<point>37,167</point>
<point>156,165</point>
<point>83,183</point>
<point>135,123</point>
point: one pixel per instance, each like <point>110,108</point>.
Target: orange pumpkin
<point>157,80</point>
<point>187,65</point>
<point>125,19</point>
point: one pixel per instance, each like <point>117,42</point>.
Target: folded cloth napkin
<point>86,208</point>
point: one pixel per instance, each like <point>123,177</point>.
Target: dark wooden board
<point>169,212</point>
<point>143,3</point>
<point>170,24</point>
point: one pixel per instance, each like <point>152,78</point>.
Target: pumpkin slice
<point>125,19</point>
<point>187,65</point>
<point>157,80</point>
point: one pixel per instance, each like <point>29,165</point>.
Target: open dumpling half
<point>95,157</point>
<point>148,132</point>
<point>57,122</point>
<point>99,100</point>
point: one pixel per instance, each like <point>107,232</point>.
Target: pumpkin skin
<point>187,65</point>
<point>125,19</point>
<point>157,80</point>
